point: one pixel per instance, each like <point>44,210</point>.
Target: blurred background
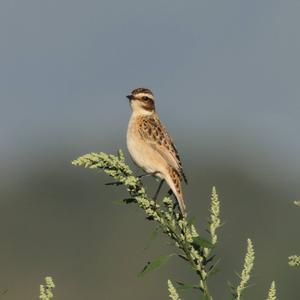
<point>226,76</point>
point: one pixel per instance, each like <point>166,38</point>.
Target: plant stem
<point>184,246</point>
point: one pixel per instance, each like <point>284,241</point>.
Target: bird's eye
<point>145,98</point>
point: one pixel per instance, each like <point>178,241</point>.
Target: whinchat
<point>150,145</point>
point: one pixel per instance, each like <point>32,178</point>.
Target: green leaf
<point>213,269</point>
<point>129,200</point>
<point>186,286</point>
<point>155,264</point>
<point>191,221</point>
<point>200,242</point>
<point>183,257</point>
<point>118,202</point>
<point>205,297</point>
<point>124,201</point>
<point>152,237</point>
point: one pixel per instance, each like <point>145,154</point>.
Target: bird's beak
<point>130,97</point>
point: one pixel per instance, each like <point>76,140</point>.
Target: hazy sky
<point>228,71</point>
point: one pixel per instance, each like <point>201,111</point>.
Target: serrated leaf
<point>155,264</point>
<point>200,242</point>
<point>186,286</point>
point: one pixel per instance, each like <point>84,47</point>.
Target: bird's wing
<point>155,134</point>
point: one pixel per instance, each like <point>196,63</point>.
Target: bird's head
<point>142,101</point>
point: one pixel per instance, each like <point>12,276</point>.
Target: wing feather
<point>155,134</point>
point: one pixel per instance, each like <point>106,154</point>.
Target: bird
<point>151,146</point>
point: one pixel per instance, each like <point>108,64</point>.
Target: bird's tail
<point>174,181</point>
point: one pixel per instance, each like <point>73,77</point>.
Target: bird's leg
<point>147,174</point>
<point>158,189</point>
<point>144,175</point>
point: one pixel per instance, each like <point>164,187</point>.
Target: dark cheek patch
<point>149,105</point>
